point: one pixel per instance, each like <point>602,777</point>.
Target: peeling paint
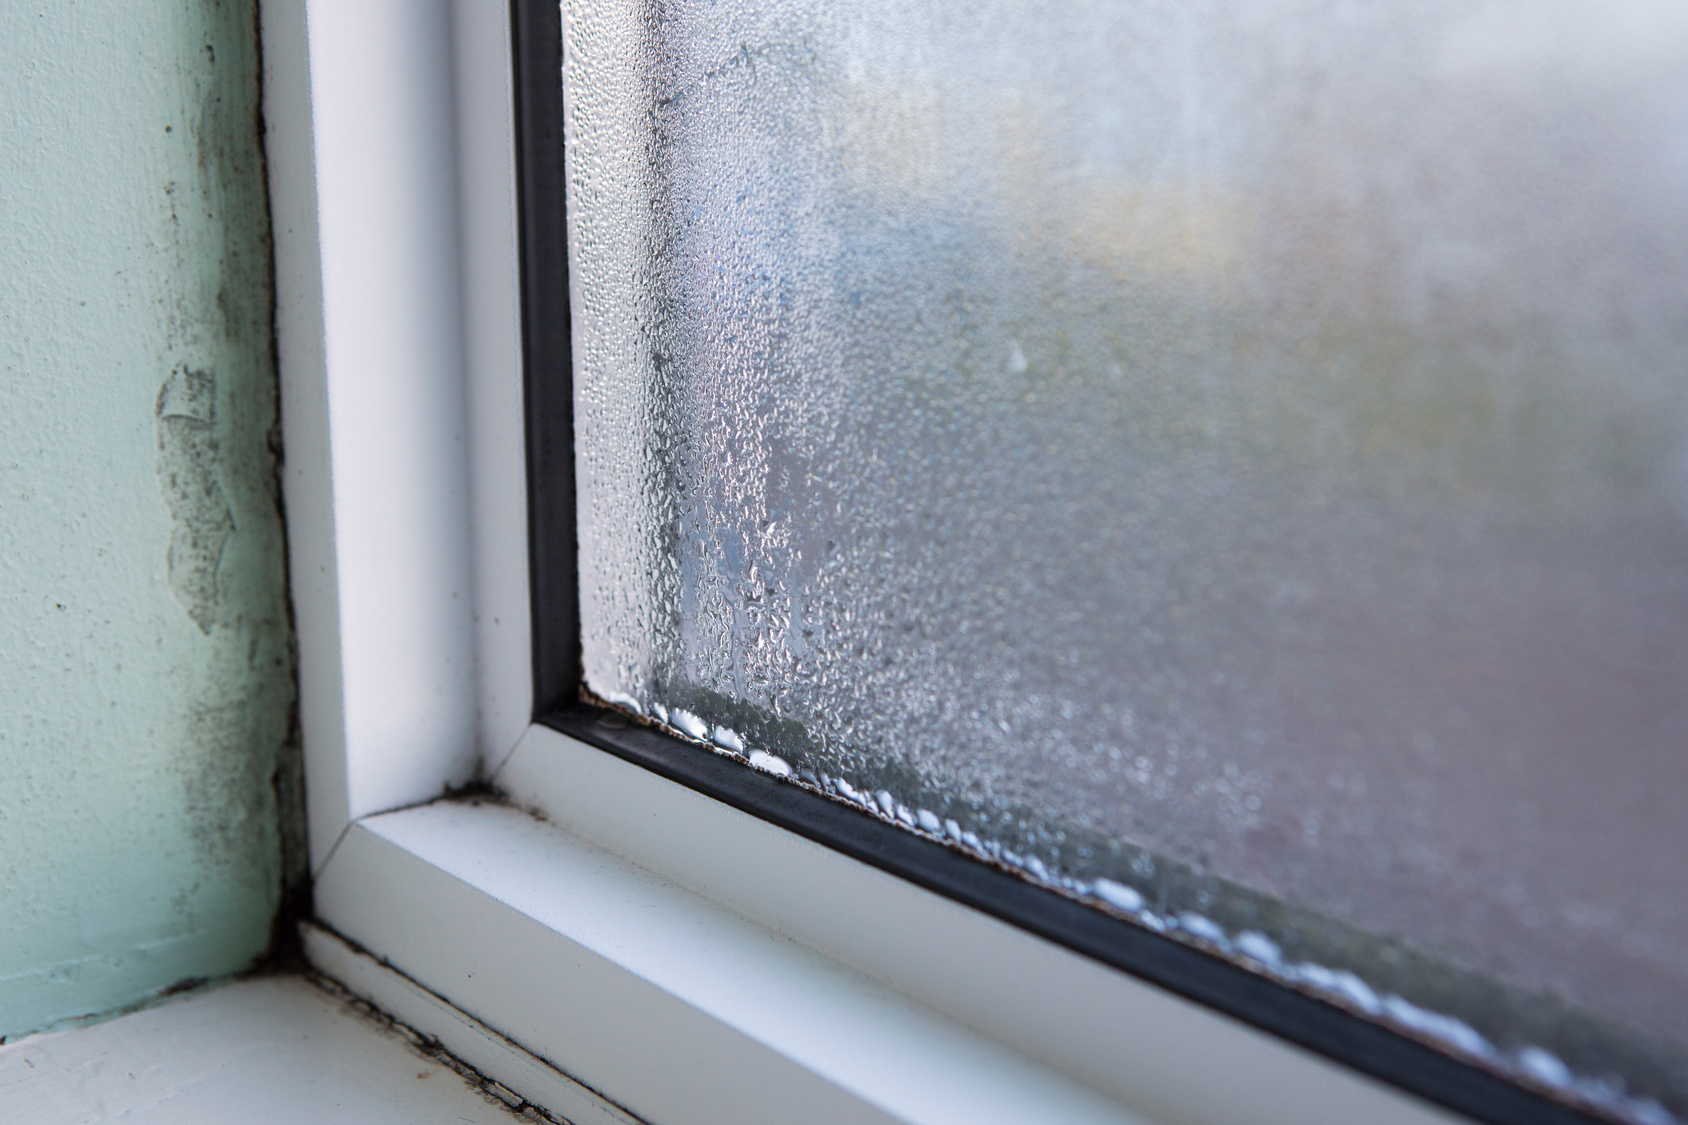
<point>187,471</point>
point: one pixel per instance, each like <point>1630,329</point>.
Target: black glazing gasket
<point>553,580</point>
<point>1179,968</point>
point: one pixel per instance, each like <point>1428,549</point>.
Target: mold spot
<point>186,984</point>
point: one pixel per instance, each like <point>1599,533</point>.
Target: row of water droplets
<point>1250,948</point>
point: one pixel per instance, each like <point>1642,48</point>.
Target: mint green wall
<point>145,668</point>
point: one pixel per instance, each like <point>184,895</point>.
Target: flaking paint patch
<point>188,472</point>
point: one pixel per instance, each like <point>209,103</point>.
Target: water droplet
<point>1253,943</point>
<point>1017,363</point>
<point>1118,895</point>
<point>769,763</point>
<point>1207,929</point>
<point>1544,1066</point>
<point>691,724</point>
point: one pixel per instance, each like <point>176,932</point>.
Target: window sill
<point>268,1049</point>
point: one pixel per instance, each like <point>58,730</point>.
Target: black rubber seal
<point>553,579</point>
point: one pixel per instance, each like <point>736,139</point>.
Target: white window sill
<point>272,1049</point>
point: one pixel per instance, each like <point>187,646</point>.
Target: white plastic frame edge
<point>391,163</point>
<point>389,139</point>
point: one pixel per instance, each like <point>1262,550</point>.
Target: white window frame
<point>655,954</point>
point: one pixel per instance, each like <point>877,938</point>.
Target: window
<point>1037,1030</point>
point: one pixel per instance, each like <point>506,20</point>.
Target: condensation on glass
<point>1227,460</point>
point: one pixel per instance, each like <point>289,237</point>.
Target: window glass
<point>1227,461</point>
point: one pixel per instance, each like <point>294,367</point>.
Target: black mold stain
<point>187,473</point>
<point>186,984</point>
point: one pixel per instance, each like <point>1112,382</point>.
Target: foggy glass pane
<point>1227,461</point>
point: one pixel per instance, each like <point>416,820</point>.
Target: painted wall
<point>146,693</point>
